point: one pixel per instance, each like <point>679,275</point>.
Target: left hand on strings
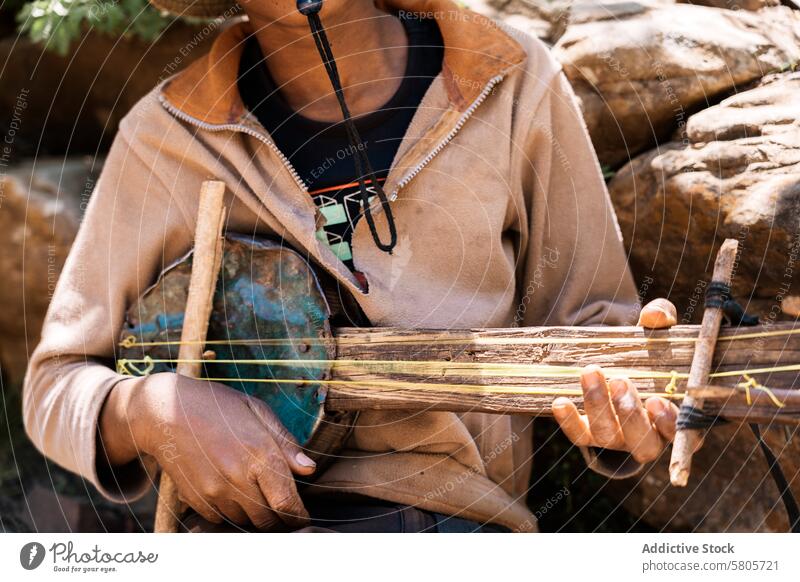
<point>616,417</point>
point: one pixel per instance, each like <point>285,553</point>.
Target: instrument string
<point>144,366</point>
<point>462,368</point>
<point>131,367</point>
<point>415,367</point>
<point>130,341</point>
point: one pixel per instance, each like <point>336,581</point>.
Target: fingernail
<point>559,408</point>
<point>618,387</point>
<point>304,460</point>
<point>592,376</point>
<point>660,409</point>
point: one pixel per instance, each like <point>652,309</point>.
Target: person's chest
<point>455,192</point>
<point>457,212</point>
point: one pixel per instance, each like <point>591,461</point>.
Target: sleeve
<point>131,228</point>
<point>575,269</point>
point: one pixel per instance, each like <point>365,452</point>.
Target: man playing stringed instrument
<point>450,183</point>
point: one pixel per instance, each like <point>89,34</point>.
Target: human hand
<point>615,416</point>
<point>228,454</point>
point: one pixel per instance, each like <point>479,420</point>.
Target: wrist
<point>114,426</point>
<point>145,401</point>
<point>129,415</point>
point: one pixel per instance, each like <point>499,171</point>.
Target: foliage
<point>57,23</point>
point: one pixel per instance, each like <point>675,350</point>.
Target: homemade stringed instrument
<point>270,336</point>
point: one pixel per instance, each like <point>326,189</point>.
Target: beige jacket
<point>503,220</point>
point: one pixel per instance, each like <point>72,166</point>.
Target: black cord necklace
<point>364,171</point>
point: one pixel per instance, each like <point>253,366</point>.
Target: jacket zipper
<point>449,137</point>
<point>264,139</point>
<point>236,127</point>
<point>288,165</point>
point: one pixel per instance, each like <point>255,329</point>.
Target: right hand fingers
<point>574,424</point>
<point>642,438</point>
<point>603,422</point>
<point>663,414</point>
<point>298,461</point>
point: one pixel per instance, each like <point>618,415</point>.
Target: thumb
<point>298,461</point>
<point>658,314</point>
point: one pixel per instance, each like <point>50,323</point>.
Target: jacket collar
<point>476,51</point>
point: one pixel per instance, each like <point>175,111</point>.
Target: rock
<point>485,7</point>
<point>74,103</point>
<point>752,5</point>
<point>548,20</point>
<point>735,175</point>
<point>730,488</point>
<point>641,72</point>
<point>583,11</point>
<point>540,18</point>
<point>42,203</point>
<point>62,104</point>
<point>538,27</point>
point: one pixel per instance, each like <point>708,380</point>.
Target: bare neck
<point>370,48</point>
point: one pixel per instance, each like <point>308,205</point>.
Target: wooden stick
<point>728,403</point>
<point>718,401</point>
<point>206,262</point>
<point>689,440</point>
<point>616,349</point>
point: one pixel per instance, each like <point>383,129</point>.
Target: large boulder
<point>734,4</point>
<point>42,202</point>
<point>55,104</point>
<point>541,18</point>
<point>641,69</point>
<point>730,488</point>
<point>734,174</point>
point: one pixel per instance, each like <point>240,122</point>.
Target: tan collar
<point>476,51</point>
